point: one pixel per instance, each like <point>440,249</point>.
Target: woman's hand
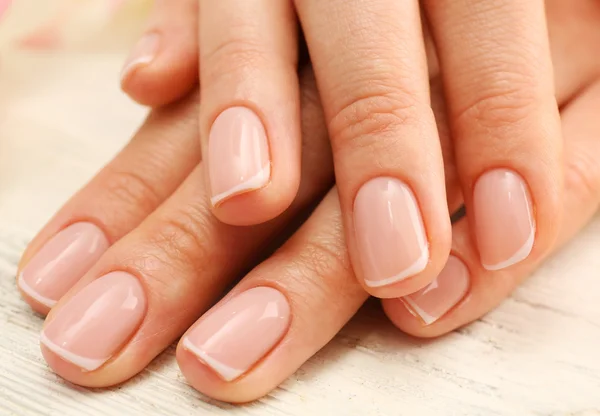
<point>173,258</point>
<point>370,63</point>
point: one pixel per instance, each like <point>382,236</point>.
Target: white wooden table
<point>62,116</point>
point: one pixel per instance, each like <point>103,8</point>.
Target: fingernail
<point>238,154</point>
<point>61,262</point>
<point>390,235</point>
<point>436,299</point>
<point>95,323</point>
<point>236,335</point>
<point>143,53</point>
<point>504,223</point>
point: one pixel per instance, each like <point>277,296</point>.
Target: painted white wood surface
<point>62,116</point>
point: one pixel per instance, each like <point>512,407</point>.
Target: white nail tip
<point>255,182</point>
<point>227,373</point>
<point>521,254</point>
<point>88,364</point>
<point>142,60</point>
<point>415,268</point>
<point>33,294</point>
<point>428,319</point>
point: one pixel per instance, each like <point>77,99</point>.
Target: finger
<point>573,73</point>
<point>566,25</point>
<point>129,188</point>
<point>574,40</point>
<point>465,290</point>
<point>163,65</point>
<point>506,128</point>
<point>374,85</point>
<point>265,328</point>
<point>161,82</point>
<point>566,28</point>
<point>210,354</point>
<point>250,114</point>
<point>311,285</point>
<point>153,283</point>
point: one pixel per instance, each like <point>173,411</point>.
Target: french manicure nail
<point>504,223</point>
<point>96,322</point>
<point>61,262</point>
<point>233,337</point>
<point>447,290</point>
<point>143,53</point>
<point>238,154</point>
<point>391,239</point>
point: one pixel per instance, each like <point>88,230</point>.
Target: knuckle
<point>374,114</point>
<point>182,240</point>
<point>236,54</point>
<point>131,190</point>
<point>502,103</point>
<point>323,269</point>
<point>320,257</point>
<point>319,265</point>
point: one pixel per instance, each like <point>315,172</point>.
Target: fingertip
<point>422,313</point>
<point>163,65</point>
<point>254,207</point>
<point>66,369</point>
<point>195,372</point>
<point>252,179</point>
<point>162,80</point>
<point>407,285</point>
<point>37,302</point>
<point>402,318</point>
<point>200,377</point>
<point>419,274</point>
<point>36,305</point>
<point>401,235</point>
<point>98,378</point>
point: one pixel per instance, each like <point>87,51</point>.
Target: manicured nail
<point>143,53</point>
<point>390,235</point>
<point>4,5</point>
<point>61,262</point>
<point>238,154</point>
<point>95,323</point>
<point>504,223</point>
<point>436,299</point>
<point>233,337</point>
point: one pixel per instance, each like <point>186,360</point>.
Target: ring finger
<point>370,64</point>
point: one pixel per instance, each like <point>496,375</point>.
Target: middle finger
<point>370,64</point>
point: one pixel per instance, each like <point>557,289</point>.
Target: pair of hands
<point>136,256</point>
<point>371,61</point>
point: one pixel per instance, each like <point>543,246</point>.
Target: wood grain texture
<point>62,117</point>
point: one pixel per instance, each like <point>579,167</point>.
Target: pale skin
<point>370,63</point>
<point>152,202</point>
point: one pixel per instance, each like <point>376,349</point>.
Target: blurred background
<point>61,109</point>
